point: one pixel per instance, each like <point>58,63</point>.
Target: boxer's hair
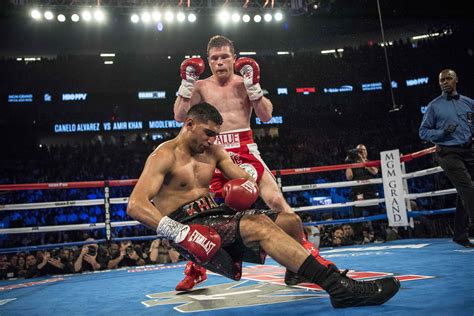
<point>205,112</point>
<point>220,41</point>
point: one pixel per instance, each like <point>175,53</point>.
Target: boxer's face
<point>203,135</point>
<point>221,61</point>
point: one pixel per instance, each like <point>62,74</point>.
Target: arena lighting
<point>425,36</point>
<point>283,53</point>
<point>278,16</point>
<point>99,15</point>
<point>61,18</point>
<point>328,51</point>
<point>145,17</point>
<point>86,16</point>
<point>156,16</point>
<point>235,17</point>
<point>134,18</point>
<point>108,62</point>
<point>223,16</point>
<point>180,17</point>
<point>247,53</point>
<point>192,17</point>
<point>169,17</point>
<point>75,17</point>
<point>107,55</point>
<point>388,44</point>
<point>246,18</point>
<point>267,17</point>
<point>35,14</point>
<point>257,18</point>
<point>48,15</point>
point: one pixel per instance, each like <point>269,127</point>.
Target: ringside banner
<point>393,188</point>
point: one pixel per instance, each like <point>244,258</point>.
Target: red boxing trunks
<point>243,152</point>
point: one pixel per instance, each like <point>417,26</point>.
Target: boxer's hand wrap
<point>199,242</point>
<point>190,71</point>
<point>250,70</point>
<point>240,194</point>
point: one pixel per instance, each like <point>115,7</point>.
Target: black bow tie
<point>453,97</point>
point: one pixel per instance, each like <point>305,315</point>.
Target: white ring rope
<point>43,205</point>
<point>370,202</point>
<point>342,184</point>
<point>421,173</point>
<point>432,193</point>
<point>60,228</point>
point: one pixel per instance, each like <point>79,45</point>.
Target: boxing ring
<point>436,274</point>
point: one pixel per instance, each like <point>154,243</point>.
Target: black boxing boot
<point>346,292</point>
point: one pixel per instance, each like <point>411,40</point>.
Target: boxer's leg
<point>344,291</point>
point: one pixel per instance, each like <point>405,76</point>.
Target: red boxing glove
<point>199,242</point>
<point>196,68</point>
<point>250,70</point>
<point>240,194</point>
<point>190,71</point>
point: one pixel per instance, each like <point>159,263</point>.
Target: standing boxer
<point>172,196</point>
<point>235,97</point>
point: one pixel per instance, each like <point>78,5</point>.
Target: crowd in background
<point>318,130</point>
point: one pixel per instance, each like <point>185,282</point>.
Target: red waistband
<point>235,139</point>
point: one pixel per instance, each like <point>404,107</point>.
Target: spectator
<point>337,236</point>
<point>21,267</point>
<point>125,255</point>
<point>348,239</point>
<point>90,258</point>
<point>162,252</point>
<point>50,264</point>
<point>31,267</point>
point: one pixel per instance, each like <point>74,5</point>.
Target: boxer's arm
<point>263,109</point>
<point>149,184</point>
<point>228,168</point>
<point>182,105</point>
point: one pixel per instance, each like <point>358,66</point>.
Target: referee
<point>448,123</point>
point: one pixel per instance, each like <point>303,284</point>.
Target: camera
<point>352,155</point>
<point>130,250</point>
<point>92,251</point>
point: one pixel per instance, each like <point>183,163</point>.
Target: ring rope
<point>129,182</point>
<point>379,217</point>
<point>43,205</point>
<point>75,243</point>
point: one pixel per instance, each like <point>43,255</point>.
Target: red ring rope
<point>128,182</point>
